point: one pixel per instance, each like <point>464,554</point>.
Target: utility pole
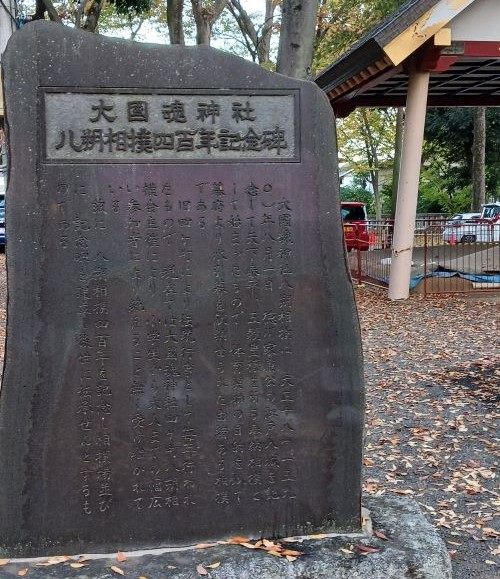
<point>7,28</point>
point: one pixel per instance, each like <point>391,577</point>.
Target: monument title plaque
<point>183,357</point>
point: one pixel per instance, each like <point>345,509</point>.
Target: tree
<point>449,140</point>
<point>479,159</point>
<point>205,14</point>
<point>175,10</point>
<point>342,22</point>
<point>86,14</point>
<point>112,23</point>
<point>366,143</point>
<point>295,52</point>
<point>256,38</point>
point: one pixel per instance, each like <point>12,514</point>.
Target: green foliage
<point>357,193</point>
<point>449,137</point>
<point>126,7</point>
<point>342,22</point>
<point>364,128</point>
<point>436,195</point>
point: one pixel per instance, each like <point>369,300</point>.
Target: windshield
<point>353,213</point>
<point>491,211</point>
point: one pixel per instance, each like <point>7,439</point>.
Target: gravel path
<point>433,379</point>
<point>432,371</point>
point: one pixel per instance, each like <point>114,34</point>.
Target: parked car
<point>462,217</point>
<point>483,227</point>
<point>355,221</point>
<point>452,229</point>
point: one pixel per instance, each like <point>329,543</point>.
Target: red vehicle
<point>355,221</point>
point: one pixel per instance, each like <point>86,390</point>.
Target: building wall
<point>479,21</point>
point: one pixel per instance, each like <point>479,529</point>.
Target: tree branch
<point>43,6</point>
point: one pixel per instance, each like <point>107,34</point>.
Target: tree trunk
<point>257,44</point>
<point>398,146</point>
<point>205,17</point>
<point>246,27</point>
<point>174,21</point>
<point>376,193</point>
<point>43,6</point>
<point>373,163</point>
<point>93,15</point>
<point>298,23</point>
<point>264,42</point>
<point>479,159</point>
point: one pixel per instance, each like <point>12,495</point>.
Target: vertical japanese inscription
<point>175,301</point>
<point>244,230</point>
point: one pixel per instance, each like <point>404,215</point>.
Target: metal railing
<point>459,258</point>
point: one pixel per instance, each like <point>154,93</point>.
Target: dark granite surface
<point>183,358</point>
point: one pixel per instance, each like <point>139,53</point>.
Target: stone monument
<point>183,356</point>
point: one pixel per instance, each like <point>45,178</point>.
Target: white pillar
<point>7,25</point>
<point>406,207</point>
<point>7,28</point>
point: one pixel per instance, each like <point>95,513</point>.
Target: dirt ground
<point>432,370</point>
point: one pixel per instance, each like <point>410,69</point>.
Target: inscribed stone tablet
<point>183,356</point>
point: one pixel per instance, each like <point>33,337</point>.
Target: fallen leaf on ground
<point>117,570</point>
<point>53,561</point>
<point>238,540</point>
<point>214,565</point>
<point>201,570</point>
<point>248,545</point>
<point>205,545</point>
<point>366,548</point>
<point>317,537</point>
<point>347,551</point>
<point>4,562</point>
<point>23,572</point>
<point>291,553</point>
<point>120,557</point>
<point>380,535</point>
<point>77,565</point>
<point>290,558</point>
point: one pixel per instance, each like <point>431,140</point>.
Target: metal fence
<point>463,257</point>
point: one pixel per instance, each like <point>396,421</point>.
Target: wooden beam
<point>423,29</point>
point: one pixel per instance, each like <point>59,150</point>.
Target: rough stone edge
<point>413,550</point>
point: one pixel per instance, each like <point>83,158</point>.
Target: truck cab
<point>355,224</point>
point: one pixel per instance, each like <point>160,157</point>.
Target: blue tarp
<point>484,278</point>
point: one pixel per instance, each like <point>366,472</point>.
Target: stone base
<point>413,550</point>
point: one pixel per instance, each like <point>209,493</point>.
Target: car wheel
<point>468,239</point>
